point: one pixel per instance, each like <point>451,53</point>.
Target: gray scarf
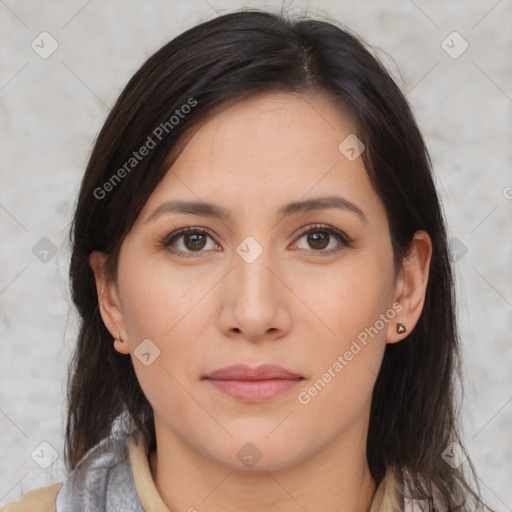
<point>103,480</point>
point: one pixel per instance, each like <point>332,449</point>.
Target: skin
<point>291,307</point>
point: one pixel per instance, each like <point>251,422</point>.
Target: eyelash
<point>343,239</point>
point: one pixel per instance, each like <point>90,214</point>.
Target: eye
<point>194,240</point>
<point>189,240</point>
<point>320,236</point>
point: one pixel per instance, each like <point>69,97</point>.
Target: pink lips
<point>253,384</point>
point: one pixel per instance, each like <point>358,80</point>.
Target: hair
<point>413,416</point>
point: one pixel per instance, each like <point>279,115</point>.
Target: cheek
<point>153,298</point>
<point>164,304</point>
<point>348,363</point>
<point>350,298</point>
<point>159,306</point>
<point>147,303</point>
<point>352,302</point>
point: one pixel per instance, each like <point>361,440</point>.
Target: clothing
<point>114,476</point>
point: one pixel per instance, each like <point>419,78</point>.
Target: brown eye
<point>194,242</point>
<point>318,238</point>
<point>186,241</point>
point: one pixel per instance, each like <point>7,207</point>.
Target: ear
<point>411,285</point>
<point>108,301</point>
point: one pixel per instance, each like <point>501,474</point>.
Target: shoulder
<point>39,500</point>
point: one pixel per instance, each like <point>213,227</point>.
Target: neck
<point>336,479</point>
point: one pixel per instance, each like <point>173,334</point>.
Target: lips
<point>246,373</point>
<point>253,384</point>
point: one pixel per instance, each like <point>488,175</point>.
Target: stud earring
<point>400,328</point>
<point>118,339</point>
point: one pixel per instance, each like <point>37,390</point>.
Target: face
<point>312,290</point>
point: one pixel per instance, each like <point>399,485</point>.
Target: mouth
<point>253,384</point>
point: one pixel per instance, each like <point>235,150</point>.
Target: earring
<point>400,328</point>
<point>118,339</point>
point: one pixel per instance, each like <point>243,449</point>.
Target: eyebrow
<point>292,208</point>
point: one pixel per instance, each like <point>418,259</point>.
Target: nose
<point>255,300</point>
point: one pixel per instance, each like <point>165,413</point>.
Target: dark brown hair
<point>413,412</point>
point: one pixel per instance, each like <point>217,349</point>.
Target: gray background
<point>52,108</point>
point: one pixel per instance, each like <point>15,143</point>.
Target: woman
<point>261,268</point>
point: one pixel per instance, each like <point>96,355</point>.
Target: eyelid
<point>342,237</point>
<point>175,235</point>
<point>325,227</point>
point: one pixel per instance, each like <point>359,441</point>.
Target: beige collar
<point>386,497</point>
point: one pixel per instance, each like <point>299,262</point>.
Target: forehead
<point>289,125</point>
<point>266,150</point>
